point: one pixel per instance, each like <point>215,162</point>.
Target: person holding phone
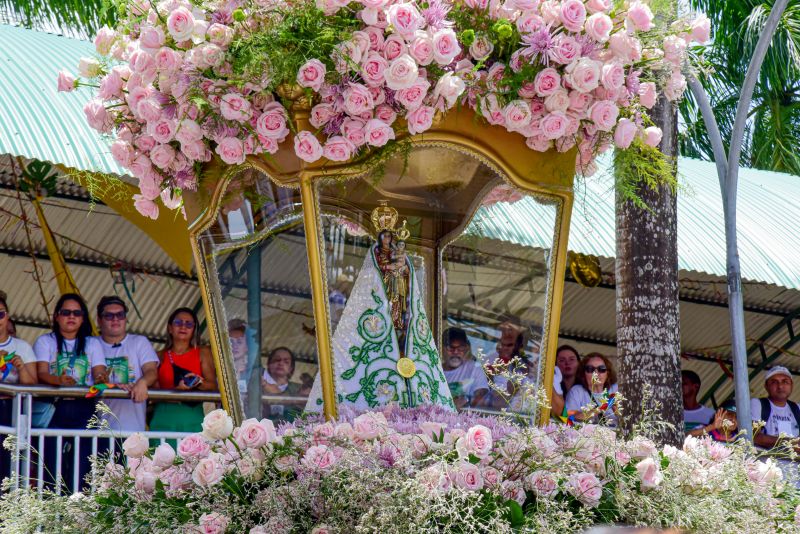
<point>184,365</point>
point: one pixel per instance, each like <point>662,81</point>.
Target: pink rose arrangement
<point>180,83</point>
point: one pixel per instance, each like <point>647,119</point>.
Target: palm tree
<point>772,136</point>
<point>78,18</point>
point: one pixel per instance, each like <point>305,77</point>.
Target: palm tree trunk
<point>648,326</point>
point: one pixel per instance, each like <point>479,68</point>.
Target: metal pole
<point>253,333</point>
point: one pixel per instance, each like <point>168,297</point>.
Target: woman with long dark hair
<point>185,365</point>
<point>69,357</point>
<point>597,383</point>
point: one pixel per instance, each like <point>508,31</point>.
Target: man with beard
<point>464,375</point>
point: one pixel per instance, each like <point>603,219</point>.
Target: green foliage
<point>288,40</point>
<point>642,166</point>
<point>81,17</point>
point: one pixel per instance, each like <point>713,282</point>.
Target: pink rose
<point>188,130</point>
<point>598,6</point>
<point>97,116</point>
<point>701,29</point>
<point>357,99</point>
<point>110,86</point>
<point>542,483</point>
<point>467,476</point>
<point>135,445</point>
<point>220,34</point>
<point>421,48</point>
<point>579,102</point>
<point>652,136</point>
<point>209,471</point>
<point>434,479</point>
<point>565,49</point>
<point>321,114</point>
<point>318,457</point>
<point>604,115</point>
<point>378,133</point>
<point>162,130</point>
<point>445,46</point>
<point>122,151</point>
<point>235,107</point>
<point>584,74</point>
<point>405,18</point>
<point>613,76</point>
<point>163,456</point>
<point>650,475</point>
<point>251,434</point>
<point>450,88</point>
<point>272,122</point>
<point>148,208</point>
<point>394,47</point>
<point>194,150</point>
<point>558,101</point>
<point>411,97</point>
<point>517,115</point>
<point>639,17</point>
<point>231,150</point>
<point>151,37</point>
<point>338,148</point>
<point>373,69</point>
<point>141,166</point>
<point>481,48</point>
<point>66,81</point>
<point>554,125</point>
<point>213,523</point>
<point>370,425</point>
<point>599,26</point>
<point>539,143</point>
<point>376,39</point>
<point>433,429</point>
<point>648,94</point>
<point>528,90</point>
<point>307,147</point>
<point>420,120</point>
<point>149,109</point>
<point>344,431</point>
<point>150,184</point>
<point>676,85</point>
<point>478,439</point>
<point>674,49</point>
<point>402,73</point>
<point>586,488</point>
<point>625,47</point>
<point>311,74</point>
<point>167,59</point>
<point>492,111</point>
<point>145,481</point>
<point>104,39</point>
<point>180,24</point>
<point>353,131</point>
<point>529,21</point>
<point>573,15</point>
<point>162,156</point>
<point>547,82</point>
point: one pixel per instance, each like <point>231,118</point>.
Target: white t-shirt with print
<point>466,379</point>
<point>78,366</point>
<point>781,419</point>
<point>19,348</point>
<point>124,362</point>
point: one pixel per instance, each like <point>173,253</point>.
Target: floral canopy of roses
<point>179,81</point>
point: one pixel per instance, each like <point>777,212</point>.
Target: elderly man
<point>780,415</point>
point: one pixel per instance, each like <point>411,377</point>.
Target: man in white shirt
<point>780,415</point>
<point>465,376</point>
<point>131,362</point>
<point>695,415</point>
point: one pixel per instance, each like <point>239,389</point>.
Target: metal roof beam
<point>84,199</point>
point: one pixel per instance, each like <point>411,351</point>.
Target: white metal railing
<point>28,459</point>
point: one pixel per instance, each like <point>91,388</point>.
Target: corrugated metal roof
<point>767,211</point>
<point>38,122</point>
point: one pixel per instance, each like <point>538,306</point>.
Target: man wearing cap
<point>777,412</point>
<point>131,362</point>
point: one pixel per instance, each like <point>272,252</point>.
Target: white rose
<point>164,455</point>
<point>135,446</point>
<point>217,425</point>
<point>88,67</point>
<point>450,88</point>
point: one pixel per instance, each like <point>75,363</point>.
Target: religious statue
<point>383,348</point>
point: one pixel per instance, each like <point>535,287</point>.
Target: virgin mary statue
<point>383,347</point>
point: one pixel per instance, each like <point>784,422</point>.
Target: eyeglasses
<point>3,314</point>
<point>457,348</point>
<point>110,316</point>
<point>592,369</point>
<point>67,313</point>
<point>177,323</point>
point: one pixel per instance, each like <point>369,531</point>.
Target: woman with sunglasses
<point>185,365</point>
<point>18,364</point>
<point>67,357</point>
<point>597,383</point>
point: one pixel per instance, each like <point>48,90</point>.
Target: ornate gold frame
<point>543,174</point>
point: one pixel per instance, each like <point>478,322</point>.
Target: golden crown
<point>384,217</point>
